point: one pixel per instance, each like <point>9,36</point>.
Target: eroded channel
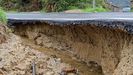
<point>67,58</point>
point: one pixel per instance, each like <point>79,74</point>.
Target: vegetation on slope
<point>97,9</point>
<point>3,17</point>
<point>49,5</point>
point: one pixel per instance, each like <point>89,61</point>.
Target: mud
<point>109,48</point>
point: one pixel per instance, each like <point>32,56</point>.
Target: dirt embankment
<point>111,49</point>
<point>3,34</point>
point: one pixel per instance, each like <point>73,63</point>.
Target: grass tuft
<point>97,9</point>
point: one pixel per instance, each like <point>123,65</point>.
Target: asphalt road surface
<point>122,20</point>
<point>70,17</point>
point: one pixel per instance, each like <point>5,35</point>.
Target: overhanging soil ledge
<point>108,47</point>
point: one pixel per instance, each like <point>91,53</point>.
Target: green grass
<point>97,9</point>
<point>72,7</point>
<point>3,17</point>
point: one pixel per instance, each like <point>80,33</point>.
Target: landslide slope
<point>107,44</point>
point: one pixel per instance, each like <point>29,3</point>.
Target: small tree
<point>94,4</point>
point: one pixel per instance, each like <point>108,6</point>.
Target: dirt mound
<point>110,48</point>
<point>17,59</point>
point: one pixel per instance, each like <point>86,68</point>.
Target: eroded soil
<point>106,48</point>
<point>67,58</point>
<point>16,58</point>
